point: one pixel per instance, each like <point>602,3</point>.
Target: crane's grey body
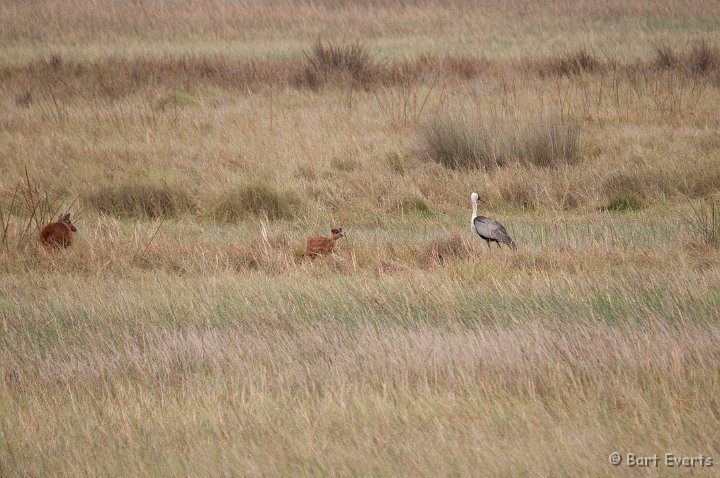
<point>492,231</point>
<point>488,229</point>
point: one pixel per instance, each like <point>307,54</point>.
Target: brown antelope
<point>58,234</point>
<point>322,246</point>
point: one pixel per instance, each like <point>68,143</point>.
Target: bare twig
<point>704,223</point>
<point>147,246</point>
<point>31,198</point>
<point>5,228</point>
<point>6,222</point>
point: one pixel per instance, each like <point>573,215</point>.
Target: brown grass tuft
<point>665,56</point>
<point>331,63</point>
<point>704,57</point>
<point>581,61</point>
<point>450,247</point>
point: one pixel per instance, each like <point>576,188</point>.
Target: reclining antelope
<point>58,234</point>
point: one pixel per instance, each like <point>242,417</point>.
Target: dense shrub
<point>457,145</point>
<point>254,200</point>
<point>460,145</point>
<point>141,200</point>
<point>549,142</point>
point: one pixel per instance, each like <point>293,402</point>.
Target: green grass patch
<point>416,205</point>
<point>625,192</point>
<point>177,100</point>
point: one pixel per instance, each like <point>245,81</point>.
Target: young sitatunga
<point>58,234</point>
<point>323,246</point>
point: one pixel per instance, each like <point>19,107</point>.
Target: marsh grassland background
<point>184,334</point>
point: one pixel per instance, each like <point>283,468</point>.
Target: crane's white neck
<point>474,214</point>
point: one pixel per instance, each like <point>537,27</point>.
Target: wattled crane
<point>488,229</point>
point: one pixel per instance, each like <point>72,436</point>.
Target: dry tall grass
<point>184,333</point>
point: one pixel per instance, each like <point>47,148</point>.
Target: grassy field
<point>201,143</point>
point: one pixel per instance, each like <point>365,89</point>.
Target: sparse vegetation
<point>208,345</point>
